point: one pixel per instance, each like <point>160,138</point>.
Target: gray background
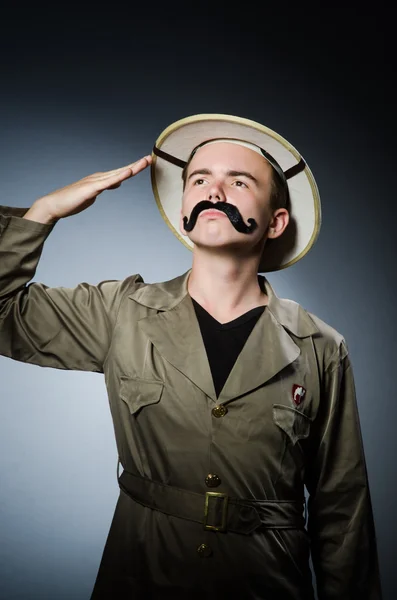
<point>89,92</point>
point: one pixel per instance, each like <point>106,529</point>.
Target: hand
<point>78,196</point>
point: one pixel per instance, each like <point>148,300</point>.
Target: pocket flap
<point>137,393</point>
<point>295,423</point>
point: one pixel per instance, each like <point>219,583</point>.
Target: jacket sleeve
<point>340,517</point>
<point>64,328</point>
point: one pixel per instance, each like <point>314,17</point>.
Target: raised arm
<point>65,328</point>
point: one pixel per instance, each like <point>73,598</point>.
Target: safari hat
<point>174,146</point>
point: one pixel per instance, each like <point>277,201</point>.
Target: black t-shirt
<point>224,341</point>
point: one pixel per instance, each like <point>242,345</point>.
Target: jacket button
<point>219,411</point>
<point>212,480</point>
<point>204,550</point>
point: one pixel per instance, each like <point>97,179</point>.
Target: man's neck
<point>225,287</point>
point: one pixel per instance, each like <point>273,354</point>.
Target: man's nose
<point>216,193</point>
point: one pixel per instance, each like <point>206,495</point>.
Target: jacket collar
<point>175,333</point>
<point>167,295</point>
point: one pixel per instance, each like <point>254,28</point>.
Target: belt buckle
<point>222,526</point>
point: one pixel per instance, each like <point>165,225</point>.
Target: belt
<point>216,511</point>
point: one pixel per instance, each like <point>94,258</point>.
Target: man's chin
<point>220,241</point>
<point>222,246</point>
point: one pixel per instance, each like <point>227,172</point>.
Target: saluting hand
<point>78,196</point>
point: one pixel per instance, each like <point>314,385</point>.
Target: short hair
<point>279,195</point>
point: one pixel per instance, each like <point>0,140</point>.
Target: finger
<point>147,158</point>
<point>140,164</point>
<point>108,182</point>
<point>135,168</point>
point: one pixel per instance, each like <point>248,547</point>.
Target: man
<point>226,400</point>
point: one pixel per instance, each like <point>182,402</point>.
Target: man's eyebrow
<point>200,172</point>
<point>229,174</point>
<point>243,174</point>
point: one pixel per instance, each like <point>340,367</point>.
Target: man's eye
<point>198,181</point>
<point>240,183</point>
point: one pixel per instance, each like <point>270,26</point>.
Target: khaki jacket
<point>263,446</point>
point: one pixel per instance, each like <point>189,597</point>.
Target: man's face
<point>233,174</point>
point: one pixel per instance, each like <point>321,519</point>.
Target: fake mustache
<point>230,211</point>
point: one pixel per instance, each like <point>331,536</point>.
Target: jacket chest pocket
<point>138,393</point>
<point>293,422</point>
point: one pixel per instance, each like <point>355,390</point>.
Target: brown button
<point>204,550</point>
<point>212,480</point>
<point>219,411</point>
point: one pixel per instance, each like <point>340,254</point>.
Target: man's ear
<point>278,223</point>
<point>181,227</point>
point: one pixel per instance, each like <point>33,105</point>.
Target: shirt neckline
<point>250,314</point>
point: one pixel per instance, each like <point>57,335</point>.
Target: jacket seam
<point>336,353</point>
<point>114,326</point>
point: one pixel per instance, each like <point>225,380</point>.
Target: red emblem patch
<point>298,393</point>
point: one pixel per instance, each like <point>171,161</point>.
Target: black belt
<point>215,511</point>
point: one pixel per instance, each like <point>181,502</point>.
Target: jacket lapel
<point>176,335</point>
<point>174,330</point>
<point>267,351</point>
<point>270,347</point>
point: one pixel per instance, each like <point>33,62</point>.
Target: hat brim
<point>179,139</point>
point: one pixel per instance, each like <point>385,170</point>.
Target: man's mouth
<point>213,212</point>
